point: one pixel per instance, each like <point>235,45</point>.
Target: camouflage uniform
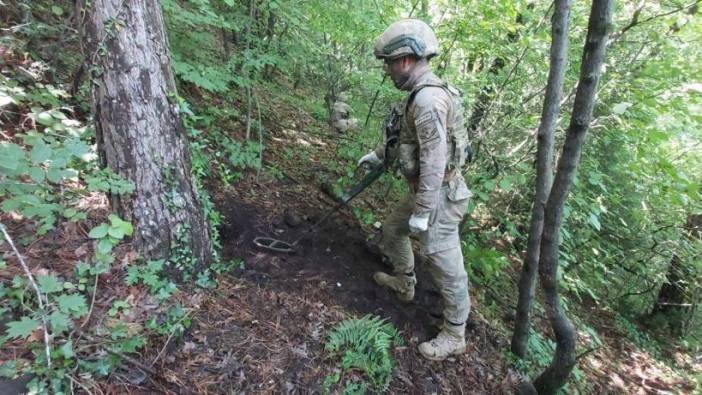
<point>430,153</point>
<point>341,116</point>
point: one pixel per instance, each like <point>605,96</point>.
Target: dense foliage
<point>625,235</point>
<point>639,180</point>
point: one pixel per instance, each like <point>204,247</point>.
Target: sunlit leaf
<point>22,328</point>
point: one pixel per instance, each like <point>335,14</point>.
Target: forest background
<point>630,246</point>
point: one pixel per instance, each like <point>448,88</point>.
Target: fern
<point>364,344</point>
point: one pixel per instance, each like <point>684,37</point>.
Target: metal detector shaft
<point>281,246</point>
<point>370,178</point>
<point>373,175</point>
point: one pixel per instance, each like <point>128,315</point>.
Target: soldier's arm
<point>430,119</point>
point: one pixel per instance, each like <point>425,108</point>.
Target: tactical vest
<point>458,144</point>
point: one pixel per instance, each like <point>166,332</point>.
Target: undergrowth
<point>363,344</point>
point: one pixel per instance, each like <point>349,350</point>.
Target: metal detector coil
<point>271,244</point>
<point>274,244</point>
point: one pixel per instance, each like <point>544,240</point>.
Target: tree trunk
<point>544,173</point>
<point>139,131</point>
<point>676,297</point>
<point>556,375</point>
<point>225,45</point>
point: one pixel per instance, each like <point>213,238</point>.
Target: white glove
<point>371,158</point>
<point>419,223</point>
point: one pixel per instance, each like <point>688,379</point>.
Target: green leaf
<point>594,221</point>
<point>60,158</point>
<point>40,152</point>
<point>505,183</point>
<point>57,114</point>
<point>54,175</point>
<point>37,174</point>
<point>5,99</point>
<point>67,349</point>
<point>58,11</point>
<point>73,304</point>
<point>22,328</point>
<point>8,369</point>
<point>10,155</point>
<point>45,118</point>
<point>98,232</point>
<point>127,228</point>
<point>620,108</point>
<point>59,322</point>
<point>104,246</point>
<point>124,226</point>
<point>116,232</point>
<point>70,212</point>
<point>77,147</point>
<point>657,136</point>
<point>49,284</point>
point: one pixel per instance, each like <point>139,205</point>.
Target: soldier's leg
<point>450,277</point>
<point>449,274</point>
<point>441,244</point>
<point>396,246</point>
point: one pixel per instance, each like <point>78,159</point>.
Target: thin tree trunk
<point>225,44</point>
<point>544,173</point>
<point>139,131</point>
<point>556,375</point>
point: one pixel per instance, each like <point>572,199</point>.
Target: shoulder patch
<point>426,126</point>
<point>424,119</point>
<point>428,134</point>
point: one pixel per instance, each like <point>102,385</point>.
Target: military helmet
<point>406,37</point>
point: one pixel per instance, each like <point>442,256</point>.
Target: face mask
<point>400,79</point>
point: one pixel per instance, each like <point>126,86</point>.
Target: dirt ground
<point>264,330</point>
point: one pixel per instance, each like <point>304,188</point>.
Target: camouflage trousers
<point>440,243</point>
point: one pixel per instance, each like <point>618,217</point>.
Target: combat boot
<point>402,284</point>
<point>450,341</point>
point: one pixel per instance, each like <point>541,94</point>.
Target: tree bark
<point>544,173</point>
<point>139,131</point>
<point>556,375</point>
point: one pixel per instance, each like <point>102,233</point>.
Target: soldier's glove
<point>371,158</point>
<point>419,223</point>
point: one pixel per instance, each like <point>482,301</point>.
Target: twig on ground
<point>170,336</point>
<point>287,175</point>
<point>125,357</point>
<point>133,362</point>
<point>78,383</point>
<point>586,352</point>
<point>260,136</point>
<point>47,340</point>
<point>248,113</point>
<point>92,302</point>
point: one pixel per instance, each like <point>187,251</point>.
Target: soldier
<point>341,115</point>
<point>433,146</point>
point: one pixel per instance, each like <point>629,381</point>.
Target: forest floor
<point>263,328</point>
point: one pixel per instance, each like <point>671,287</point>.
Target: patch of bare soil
<point>264,329</point>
